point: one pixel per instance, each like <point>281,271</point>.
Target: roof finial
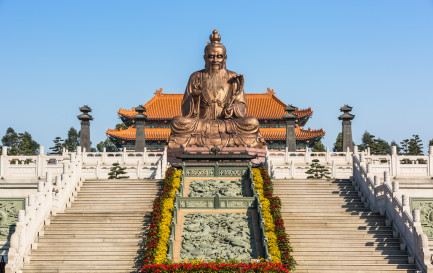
<point>158,92</point>
<point>270,91</point>
<point>215,38</point>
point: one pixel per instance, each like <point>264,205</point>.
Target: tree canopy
<point>338,145</point>
<point>20,143</point>
<point>73,140</point>
<point>108,144</point>
<point>319,147</point>
<point>377,146</point>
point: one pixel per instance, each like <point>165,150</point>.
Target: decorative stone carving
<point>232,172</point>
<point>217,235</point>
<point>425,207</point>
<point>197,204</point>
<point>199,172</point>
<point>212,187</point>
<point>9,208</point>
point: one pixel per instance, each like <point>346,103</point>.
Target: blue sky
<point>376,56</point>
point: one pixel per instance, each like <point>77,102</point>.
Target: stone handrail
<point>148,164</point>
<point>48,201</point>
<point>387,200</point>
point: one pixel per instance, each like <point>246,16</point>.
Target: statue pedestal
<point>204,155</point>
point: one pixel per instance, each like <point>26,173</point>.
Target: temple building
<point>266,107</point>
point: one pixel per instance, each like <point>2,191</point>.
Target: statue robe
<point>204,120</point>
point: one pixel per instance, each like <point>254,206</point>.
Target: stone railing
<point>293,165</point>
<point>96,165</point>
<point>49,200</point>
<point>385,198</point>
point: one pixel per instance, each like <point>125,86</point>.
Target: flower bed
<point>264,186</point>
<point>229,266</point>
<point>159,230</point>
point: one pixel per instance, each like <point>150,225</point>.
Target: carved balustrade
<point>385,198</point>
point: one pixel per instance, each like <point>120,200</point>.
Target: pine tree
<point>405,146</point>
<point>430,142</point>
<point>116,172</point>
<point>108,144</point>
<point>20,143</point>
<point>58,146</point>
<point>338,145</point>
<point>318,171</point>
<point>319,147</point>
<point>72,141</point>
<point>415,146</point>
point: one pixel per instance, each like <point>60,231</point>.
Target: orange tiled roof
<point>164,133</point>
<point>280,133</point>
<point>260,105</point>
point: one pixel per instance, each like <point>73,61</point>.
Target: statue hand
<point>196,87</point>
<point>238,82</point>
<point>228,111</point>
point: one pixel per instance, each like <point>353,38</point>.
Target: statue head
<point>215,53</point>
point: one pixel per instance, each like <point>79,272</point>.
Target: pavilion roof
<point>164,133</point>
<point>260,105</point>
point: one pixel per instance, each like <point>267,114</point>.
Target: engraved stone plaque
<point>425,206</point>
<point>9,208</point>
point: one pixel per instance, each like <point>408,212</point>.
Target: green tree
<point>108,144</point>
<point>338,145</point>
<point>415,145</point>
<point>26,144</point>
<point>377,146</point>
<point>367,141</point>
<point>317,171</point>
<point>405,146</point>
<point>120,126</point>
<point>319,147</point>
<point>58,146</point>
<point>430,142</point>
<point>116,172</point>
<point>20,143</point>
<point>72,141</point>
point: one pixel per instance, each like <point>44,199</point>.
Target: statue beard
<point>215,79</point>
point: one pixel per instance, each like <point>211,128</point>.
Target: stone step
<point>92,239</point>
<point>78,269</point>
<point>347,266</point>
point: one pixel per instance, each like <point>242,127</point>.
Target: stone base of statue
<point>227,155</point>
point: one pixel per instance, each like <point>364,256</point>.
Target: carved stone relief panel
<point>212,187</point>
<point>218,235</point>
<point>9,208</point>
<point>425,206</point>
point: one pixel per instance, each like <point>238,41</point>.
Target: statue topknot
<point>215,38</point>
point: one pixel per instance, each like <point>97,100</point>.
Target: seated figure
<point>214,107</point>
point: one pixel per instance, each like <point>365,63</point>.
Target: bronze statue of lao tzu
<point>214,108</point>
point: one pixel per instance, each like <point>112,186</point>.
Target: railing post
<point>3,160</point>
<point>333,169</point>
<point>145,155</point>
<point>84,155</point>
<point>124,156</point>
<point>292,169</point>
<point>348,155</point>
<point>394,161</point>
<point>138,169</point>
<point>286,155</point>
<point>104,155</point>
<point>355,149</point>
<point>327,155</point>
<point>430,161</point>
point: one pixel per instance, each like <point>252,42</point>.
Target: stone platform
<point>203,155</point>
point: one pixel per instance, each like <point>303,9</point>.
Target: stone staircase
<point>101,232</point>
<point>331,231</point>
